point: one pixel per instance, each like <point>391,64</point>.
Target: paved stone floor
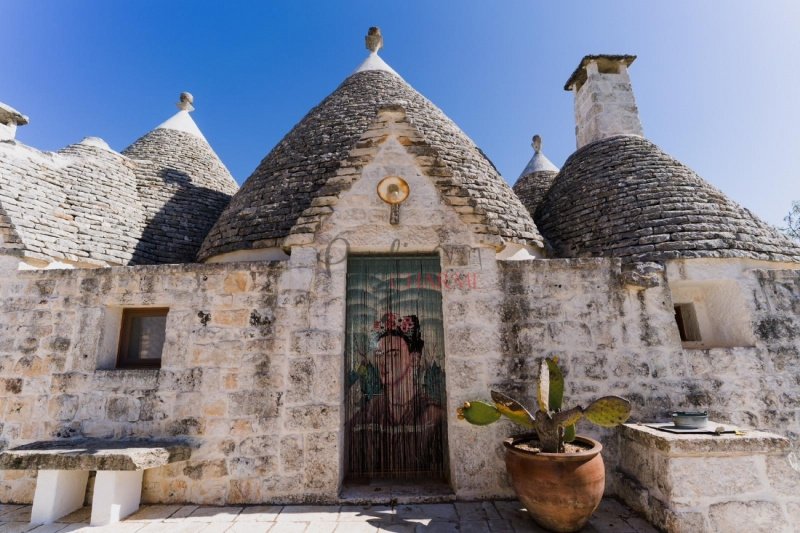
<point>611,516</point>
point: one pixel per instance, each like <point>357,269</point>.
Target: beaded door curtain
<point>394,369</point>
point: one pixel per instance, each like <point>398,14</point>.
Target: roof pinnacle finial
<point>538,162</point>
<point>374,39</point>
<point>186,102</point>
<point>537,143</point>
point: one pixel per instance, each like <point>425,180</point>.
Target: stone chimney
<point>604,102</point>
<point>10,118</point>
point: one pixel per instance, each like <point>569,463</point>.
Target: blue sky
<point>715,81</point>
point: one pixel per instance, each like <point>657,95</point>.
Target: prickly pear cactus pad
<point>608,411</point>
<point>512,409</point>
<point>553,425</point>
<point>478,412</point>
<point>543,393</point>
<point>556,384</point>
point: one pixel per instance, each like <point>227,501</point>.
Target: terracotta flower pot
<point>559,490</point>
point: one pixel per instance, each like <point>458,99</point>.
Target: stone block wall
<point>776,297</point>
<point>614,333</point>
<point>754,385</point>
<point>430,223</point>
<point>252,365</point>
<point>224,381</point>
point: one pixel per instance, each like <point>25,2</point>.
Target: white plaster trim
<point>374,62</point>
<point>96,142</point>
<point>518,252</point>
<point>259,254</point>
<point>16,150</point>
<point>721,310</point>
<point>8,132</point>
<point>29,263</point>
<point>182,121</point>
<point>712,268</point>
<point>10,118</point>
<point>538,163</point>
<point>9,115</point>
<point>109,338</point>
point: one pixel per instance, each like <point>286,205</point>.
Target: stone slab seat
<point>63,470</point>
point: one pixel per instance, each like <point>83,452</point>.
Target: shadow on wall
<point>179,215</point>
<point>9,238</point>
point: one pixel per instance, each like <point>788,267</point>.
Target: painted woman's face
<point>393,360</point>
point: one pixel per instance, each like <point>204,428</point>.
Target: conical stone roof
<point>182,186</point>
<point>78,205</point>
<point>536,179</point>
<point>89,205</point>
<point>622,196</point>
<point>270,202</point>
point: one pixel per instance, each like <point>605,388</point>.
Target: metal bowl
<point>690,419</point>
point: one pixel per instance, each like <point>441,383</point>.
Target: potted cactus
<point>558,476</point>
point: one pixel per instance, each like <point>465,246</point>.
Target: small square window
<point>141,338</point>
<point>686,317</point>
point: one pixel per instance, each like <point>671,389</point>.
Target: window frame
<point>128,314</point>
<point>688,323</point>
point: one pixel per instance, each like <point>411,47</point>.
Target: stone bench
<point>63,470</point>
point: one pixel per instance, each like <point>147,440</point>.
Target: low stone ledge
<point>689,444</point>
<point>94,454</point>
<point>707,483</point>
<point>124,379</point>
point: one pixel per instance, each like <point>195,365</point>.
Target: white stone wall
<point>221,384</point>
<point>252,367</point>
<point>615,334</point>
<point>605,106</point>
<point>754,383</point>
<point>614,330</point>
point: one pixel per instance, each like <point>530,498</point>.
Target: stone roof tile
<point>624,197</point>
<point>91,205</point>
<point>297,170</point>
<point>79,204</point>
<point>531,188</point>
<point>182,188</point>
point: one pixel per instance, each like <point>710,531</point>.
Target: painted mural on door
<point>394,364</point>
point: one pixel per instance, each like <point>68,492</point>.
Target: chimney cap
<point>9,116</point>
<point>606,63</point>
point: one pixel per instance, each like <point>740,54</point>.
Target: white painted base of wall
<point>58,493</point>
<point>116,495</point>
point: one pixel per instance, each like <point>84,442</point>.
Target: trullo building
<point>314,331</point>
